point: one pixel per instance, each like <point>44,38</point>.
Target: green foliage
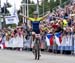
<point>47,6</point>
<point>31,9</point>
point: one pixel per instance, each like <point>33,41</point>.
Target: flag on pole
<point>13,12</point>
<point>11,20</point>
<point>58,38</point>
<point>49,39</point>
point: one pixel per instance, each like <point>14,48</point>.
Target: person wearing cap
<point>35,21</point>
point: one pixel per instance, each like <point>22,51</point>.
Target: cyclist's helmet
<point>35,13</point>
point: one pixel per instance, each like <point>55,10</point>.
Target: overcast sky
<point>18,2</point>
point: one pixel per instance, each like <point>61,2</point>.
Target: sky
<point>17,2</point>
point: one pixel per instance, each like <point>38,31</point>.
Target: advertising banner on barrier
<point>67,42</point>
<point>15,42</point>
<point>27,42</point>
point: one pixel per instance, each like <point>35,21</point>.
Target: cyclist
<point>35,22</point>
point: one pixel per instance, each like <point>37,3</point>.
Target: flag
<point>2,45</point>
<point>49,39</point>
<point>13,12</point>
<point>58,38</point>
<point>11,20</point>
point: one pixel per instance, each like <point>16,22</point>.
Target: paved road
<point>7,56</point>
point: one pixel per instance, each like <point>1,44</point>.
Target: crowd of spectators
<point>60,20</point>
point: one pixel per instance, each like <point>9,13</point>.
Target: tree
<point>25,1</point>
<point>31,9</point>
<point>47,6</point>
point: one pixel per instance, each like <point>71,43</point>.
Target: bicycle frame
<point>37,46</point>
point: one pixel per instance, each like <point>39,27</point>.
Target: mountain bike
<point>37,47</point>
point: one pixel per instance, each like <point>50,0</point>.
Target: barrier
<point>20,42</point>
<point>27,42</point>
<point>15,42</point>
<point>67,43</point>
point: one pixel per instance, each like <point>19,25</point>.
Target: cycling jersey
<point>35,24</point>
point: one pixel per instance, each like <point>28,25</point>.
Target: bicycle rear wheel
<point>37,49</point>
<point>35,54</point>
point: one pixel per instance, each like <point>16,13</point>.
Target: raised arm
<point>48,13</point>
<point>28,18</point>
<point>23,16</point>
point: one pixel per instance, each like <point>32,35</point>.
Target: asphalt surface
<point>8,56</point>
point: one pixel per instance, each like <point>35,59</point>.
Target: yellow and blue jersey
<point>35,24</point>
